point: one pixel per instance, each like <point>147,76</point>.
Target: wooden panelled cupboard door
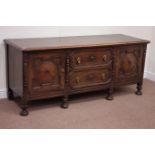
<point>46,76</point>
<point>129,64</point>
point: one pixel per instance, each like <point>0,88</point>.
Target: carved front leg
<point>65,103</point>
<point>139,89</point>
<point>10,94</point>
<point>110,94</point>
<point>24,106</point>
<point>111,88</point>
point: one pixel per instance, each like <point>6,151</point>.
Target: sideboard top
<point>73,42</point>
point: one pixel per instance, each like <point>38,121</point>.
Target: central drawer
<point>90,77</point>
<point>90,57</point>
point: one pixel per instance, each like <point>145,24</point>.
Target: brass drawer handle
<point>103,76</point>
<point>104,58</point>
<point>78,60</point>
<point>77,79</point>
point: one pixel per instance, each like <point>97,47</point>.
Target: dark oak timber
<point>41,68</point>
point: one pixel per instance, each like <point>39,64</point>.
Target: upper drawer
<point>90,57</point>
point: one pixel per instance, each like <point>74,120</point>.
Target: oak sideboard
<point>39,68</point>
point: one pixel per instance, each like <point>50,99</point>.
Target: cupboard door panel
<point>46,72</point>
<point>128,61</point>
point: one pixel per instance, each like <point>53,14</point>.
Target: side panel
<point>15,70</point>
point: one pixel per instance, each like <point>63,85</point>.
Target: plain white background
<point>77,13</point>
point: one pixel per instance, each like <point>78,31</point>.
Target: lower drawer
<point>91,77</point>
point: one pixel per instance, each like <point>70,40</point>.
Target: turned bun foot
<point>139,89</point>
<point>138,93</point>
<point>65,104</point>
<point>24,112</point>
<point>110,94</point>
<point>109,97</point>
<point>10,94</point>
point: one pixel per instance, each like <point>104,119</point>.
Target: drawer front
<point>46,72</point>
<point>89,57</point>
<point>85,78</point>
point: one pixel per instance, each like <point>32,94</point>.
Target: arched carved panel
<point>127,62</point>
<point>46,72</point>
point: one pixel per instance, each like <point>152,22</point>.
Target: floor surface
<point>89,110</point>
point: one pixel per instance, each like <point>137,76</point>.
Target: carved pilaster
<point>67,68</point>
<point>24,100</point>
<point>143,63</point>
<point>112,66</point>
<point>140,79</point>
<point>66,89</point>
<point>25,70</point>
<point>110,90</point>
